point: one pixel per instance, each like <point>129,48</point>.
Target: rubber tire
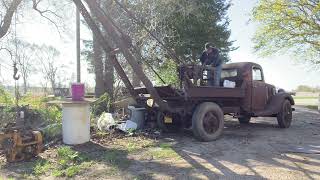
<point>244,119</point>
<point>197,121</point>
<point>282,122</point>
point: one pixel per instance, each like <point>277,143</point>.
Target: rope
<point>15,69</point>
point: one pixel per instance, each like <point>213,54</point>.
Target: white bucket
<point>75,123</point>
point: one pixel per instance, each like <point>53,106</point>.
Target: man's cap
<point>209,45</point>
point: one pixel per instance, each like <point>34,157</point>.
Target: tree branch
<point>6,49</point>
<point>43,12</point>
<point>6,22</point>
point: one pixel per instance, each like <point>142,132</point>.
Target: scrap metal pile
<point>18,140</point>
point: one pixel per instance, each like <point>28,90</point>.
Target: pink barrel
<point>77,90</point>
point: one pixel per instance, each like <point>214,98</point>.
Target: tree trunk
<point>7,19</point>
<point>135,80</point>
<point>98,68</point>
<point>53,85</point>
<point>109,77</point>
<point>25,85</point>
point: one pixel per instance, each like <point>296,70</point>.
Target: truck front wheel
<point>284,117</point>
<point>207,121</point>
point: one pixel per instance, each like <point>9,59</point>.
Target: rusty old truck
<point>202,108</point>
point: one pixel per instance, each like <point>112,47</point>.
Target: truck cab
<point>260,97</point>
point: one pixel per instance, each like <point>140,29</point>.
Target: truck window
<point>257,74</point>
<point>226,73</point>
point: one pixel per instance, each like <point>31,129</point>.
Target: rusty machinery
<point>19,141</point>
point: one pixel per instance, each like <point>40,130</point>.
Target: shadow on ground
<point>255,151</point>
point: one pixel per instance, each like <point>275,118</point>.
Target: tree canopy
<point>288,26</point>
<point>190,24</point>
<point>181,25</point>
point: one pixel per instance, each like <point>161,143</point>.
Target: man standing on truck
<point>210,56</point>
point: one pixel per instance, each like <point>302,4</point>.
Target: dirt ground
<point>259,150</point>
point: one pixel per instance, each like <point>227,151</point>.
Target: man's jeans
<point>217,76</point>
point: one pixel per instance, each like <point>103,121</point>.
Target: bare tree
<point>47,58</point>
<point>51,10</point>
<point>25,62</point>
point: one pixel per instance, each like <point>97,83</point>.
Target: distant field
<point>306,99</point>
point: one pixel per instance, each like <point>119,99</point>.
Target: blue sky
<point>282,71</point>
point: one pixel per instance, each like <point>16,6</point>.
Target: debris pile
<point>135,121</point>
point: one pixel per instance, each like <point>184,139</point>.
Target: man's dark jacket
<point>211,58</point>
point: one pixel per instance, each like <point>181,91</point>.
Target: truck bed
<point>196,92</point>
<point>215,92</point>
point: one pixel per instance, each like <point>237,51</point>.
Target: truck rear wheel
<point>284,117</point>
<point>244,119</point>
<point>207,121</point>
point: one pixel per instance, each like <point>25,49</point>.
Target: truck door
<point>259,90</point>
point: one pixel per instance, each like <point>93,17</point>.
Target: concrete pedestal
<point>75,121</point>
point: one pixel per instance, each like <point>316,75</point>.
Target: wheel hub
<point>210,123</point>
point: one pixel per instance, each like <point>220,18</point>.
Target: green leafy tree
<point>184,26</point>
<point>288,26</point>
<point>190,24</point>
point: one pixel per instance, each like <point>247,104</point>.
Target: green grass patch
<point>117,159</point>
<point>41,167</point>
<point>69,163</point>
<point>10,178</point>
<point>312,107</point>
<point>132,147</point>
<point>135,144</point>
<point>164,151</point>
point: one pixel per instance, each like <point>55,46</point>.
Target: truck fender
<point>274,105</point>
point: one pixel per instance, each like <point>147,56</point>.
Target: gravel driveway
<point>255,151</point>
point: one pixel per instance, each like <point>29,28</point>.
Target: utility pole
<point>78,45</point>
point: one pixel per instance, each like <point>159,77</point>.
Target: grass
<point>117,159</point>
<point>69,163</point>
<point>305,97</point>
<point>164,151</point>
<point>65,162</point>
<point>1,178</point>
<point>306,100</point>
<point>312,107</point>
<point>135,144</point>
<point>42,166</point>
